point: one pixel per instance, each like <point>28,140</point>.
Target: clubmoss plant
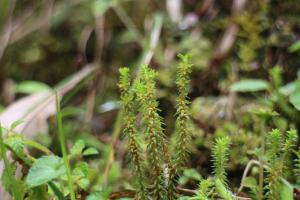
<point>209,188</point>
<point>130,130</point>
<point>220,154</point>
<point>159,166</point>
<point>274,143</point>
<point>278,152</point>
<point>206,189</point>
<point>156,150</point>
<point>183,82</point>
<point>184,136</point>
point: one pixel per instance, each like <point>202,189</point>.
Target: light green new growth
<point>274,145</point>
<point>220,154</point>
<point>130,130</point>
<point>278,152</point>
<point>289,144</point>
<point>205,190</point>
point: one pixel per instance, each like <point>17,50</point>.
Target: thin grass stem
<point>63,148</point>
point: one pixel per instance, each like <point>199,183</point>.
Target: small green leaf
<point>15,124</point>
<point>84,183</point>
<point>16,144</point>
<point>31,87</point>
<point>286,193</point>
<point>90,151</point>
<point>288,89</point>
<point>77,148</point>
<point>250,182</point>
<point>294,47</point>
<point>295,100</point>
<point>81,170</point>
<point>189,174</point>
<point>250,85</point>
<point>44,170</point>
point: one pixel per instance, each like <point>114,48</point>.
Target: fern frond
<point>220,154</point>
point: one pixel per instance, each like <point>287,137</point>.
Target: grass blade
<point>63,148</point>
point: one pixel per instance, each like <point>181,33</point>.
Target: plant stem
<point>257,162</point>
<point>38,146</point>
<point>110,158</point>
<point>56,191</point>
<point>13,182</point>
<point>63,147</point>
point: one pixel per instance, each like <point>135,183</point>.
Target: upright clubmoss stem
<point>130,130</point>
<point>156,148</point>
<point>182,81</point>
<point>63,148</point>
